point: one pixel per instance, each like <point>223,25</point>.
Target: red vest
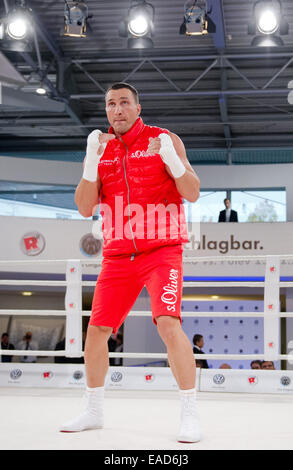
<point>140,205</point>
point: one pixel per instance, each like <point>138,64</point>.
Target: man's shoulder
<point>155,129</point>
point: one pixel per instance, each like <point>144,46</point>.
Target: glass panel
<point>259,206</point>
<point>210,204</point>
<point>36,200</point>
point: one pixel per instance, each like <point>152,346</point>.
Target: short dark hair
<point>256,361</point>
<point>119,85</point>
<point>197,338</point>
<point>227,199</point>
<point>4,334</point>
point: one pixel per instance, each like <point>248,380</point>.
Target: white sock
<point>188,393</point>
<point>95,389</point>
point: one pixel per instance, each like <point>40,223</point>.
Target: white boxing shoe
<point>91,418</point>
<point>190,425</point>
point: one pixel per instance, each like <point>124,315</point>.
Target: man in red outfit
<point>141,170</point>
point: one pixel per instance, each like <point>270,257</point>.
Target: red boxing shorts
<point>122,278</point>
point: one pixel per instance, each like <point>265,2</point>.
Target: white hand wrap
<point>170,157</point>
<point>90,172</point>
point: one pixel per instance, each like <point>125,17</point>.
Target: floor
<point>144,420</point>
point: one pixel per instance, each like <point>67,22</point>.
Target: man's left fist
<point>154,145</point>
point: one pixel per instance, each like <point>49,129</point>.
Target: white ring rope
<point>206,284</point>
<point>186,259</point>
<point>83,263</point>
<point>141,313</point>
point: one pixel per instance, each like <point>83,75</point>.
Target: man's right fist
<point>98,140</point>
<point>96,144</point>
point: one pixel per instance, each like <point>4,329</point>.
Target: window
<point>266,205</point>
<point>207,208</point>
<point>36,200</point>
<point>260,206</point>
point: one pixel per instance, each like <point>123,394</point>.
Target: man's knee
<point>168,327</point>
<point>98,333</point>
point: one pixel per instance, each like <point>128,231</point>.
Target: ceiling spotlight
<point>17,24</point>
<point>17,28</point>
<point>75,16</point>
<point>268,22</point>
<point>196,21</point>
<point>268,18</point>
<point>138,26</point>
<point>41,90</point>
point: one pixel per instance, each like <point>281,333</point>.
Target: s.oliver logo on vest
<point>139,154</point>
<point>32,243</point>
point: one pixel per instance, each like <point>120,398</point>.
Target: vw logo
<point>77,375</point>
<point>285,380</point>
<point>116,377</point>
<point>219,379</point>
<point>15,374</point>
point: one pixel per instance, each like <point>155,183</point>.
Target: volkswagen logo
<point>77,375</point>
<point>116,377</point>
<point>219,379</point>
<point>15,374</point>
<point>285,380</point>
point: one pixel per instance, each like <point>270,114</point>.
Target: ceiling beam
<point>52,45</point>
<point>217,16</point>
<point>183,58</point>
<point>71,109</point>
<point>188,94</point>
<point>224,114</point>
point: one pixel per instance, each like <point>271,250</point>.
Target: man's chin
<point>121,129</point>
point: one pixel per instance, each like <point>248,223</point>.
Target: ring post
<point>272,309</point>
<point>73,307</point>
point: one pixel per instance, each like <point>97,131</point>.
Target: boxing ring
<point>142,406</point>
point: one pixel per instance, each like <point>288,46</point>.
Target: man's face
<point>122,110</point>
<point>200,343</point>
<point>268,365</point>
<point>255,365</point>
<point>5,339</point>
<point>227,203</point>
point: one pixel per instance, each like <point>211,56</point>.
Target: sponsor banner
<point>146,378</point>
<point>73,376</point>
<point>246,381</point>
<point>140,378</point>
<point>41,375</point>
<point>49,239</point>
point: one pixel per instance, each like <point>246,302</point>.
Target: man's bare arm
<point>87,192</point>
<point>87,197</point>
<point>172,151</point>
<point>187,185</point>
